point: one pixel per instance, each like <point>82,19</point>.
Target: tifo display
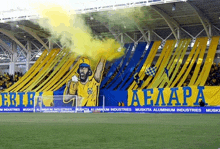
<point>134,80</point>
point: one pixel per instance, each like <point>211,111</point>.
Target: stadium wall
<point>165,100</point>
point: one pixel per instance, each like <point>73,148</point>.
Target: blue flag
<point>167,72</point>
<point>137,80</point>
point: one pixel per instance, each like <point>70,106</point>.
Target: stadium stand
<point>125,84</point>
<point>119,75</point>
<point>181,55</point>
<point>7,80</point>
<point>130,66</point>
<point>151,56</point>
<point>122,67</point>
<point>109,72</point>
<point>192,67</point>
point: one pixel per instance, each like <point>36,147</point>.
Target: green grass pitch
<point>109,130</point>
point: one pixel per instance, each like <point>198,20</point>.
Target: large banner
<point>85,84</point>
<point>181,96</point>
<point>168,98</point>
<point>116,109</point>
<point>18,102</point>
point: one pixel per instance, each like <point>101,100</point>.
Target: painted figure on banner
<point>86,86</point>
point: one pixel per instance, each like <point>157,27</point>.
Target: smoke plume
<point>72,32</point>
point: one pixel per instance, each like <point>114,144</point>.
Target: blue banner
<point>116,109</point>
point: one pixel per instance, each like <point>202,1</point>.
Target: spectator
<point>122,104</point>
<point>201,103</point>
<point>7,80</point>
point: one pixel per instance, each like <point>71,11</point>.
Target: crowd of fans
<point>213,78</point>
<point>7,80</point>
<point>121,104</point>
<point>214,75</point>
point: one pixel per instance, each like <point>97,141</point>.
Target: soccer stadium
<point>110,74</point>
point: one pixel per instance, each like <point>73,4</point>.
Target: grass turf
<point>56,130</point>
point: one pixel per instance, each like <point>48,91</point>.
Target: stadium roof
<point>157,20</point>
<point>157,14</point>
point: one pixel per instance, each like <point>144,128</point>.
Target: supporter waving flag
<point>151,71</point>
<point>167,74</point>
<point>137,80</point>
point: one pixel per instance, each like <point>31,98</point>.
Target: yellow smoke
<point>73,33</point>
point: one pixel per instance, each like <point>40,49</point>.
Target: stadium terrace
<point>109,74</point>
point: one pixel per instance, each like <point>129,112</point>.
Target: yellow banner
<point>179,96</point>
<point>25,99</point>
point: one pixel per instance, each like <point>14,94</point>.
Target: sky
<point>73,4</point>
